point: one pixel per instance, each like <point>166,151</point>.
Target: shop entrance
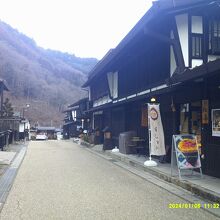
<point>190,118</point>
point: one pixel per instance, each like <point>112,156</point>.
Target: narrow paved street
<point>61,180</point>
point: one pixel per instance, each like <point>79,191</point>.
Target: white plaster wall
<point>196,62</point>
<point>74,115</point>
<point>182,27</point>
<point>89,93</point>
<point>115,85</point>
<point>101,101</point>
<point>213,57</point>
<point>197,25</point>
<point>21,127</point>
<point>27,125</point>
<point>110,82</point>
<point>172,61</point>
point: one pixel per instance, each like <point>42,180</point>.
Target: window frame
<point>197,46</point>
<point>213,49</point>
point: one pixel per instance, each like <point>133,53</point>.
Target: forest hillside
<point>47,80</point>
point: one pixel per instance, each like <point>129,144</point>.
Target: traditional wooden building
<point>76,117</point>
<point>171,54</point>
<point>3,87</point>
<point>49,131</point>
<point>9,126</point>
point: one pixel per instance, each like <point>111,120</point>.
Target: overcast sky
<point>86,28</point>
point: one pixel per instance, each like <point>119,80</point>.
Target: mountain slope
<point>36,75</point>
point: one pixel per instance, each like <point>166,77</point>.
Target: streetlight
<point>153,99</point>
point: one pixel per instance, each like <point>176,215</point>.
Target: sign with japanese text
<point>144,119</point>
<point>205,111</point>
<point>156,130</point>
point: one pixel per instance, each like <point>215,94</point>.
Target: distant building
<point>3,87</point>
<point>76,117</point>
<point>49,131</point>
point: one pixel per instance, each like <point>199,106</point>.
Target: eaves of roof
<point>68,123</point>
<point>4,84</point>
<point>71,109</point>
<point>136,98</point>
<point>204,70</point>
<point>158,7</point>
<point>78,102</point>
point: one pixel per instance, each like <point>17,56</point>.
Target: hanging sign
<point>144,119</point>
<point>205,111</point>
<point>187,153</point>
<point>216,122</point>
<point>156,130</point>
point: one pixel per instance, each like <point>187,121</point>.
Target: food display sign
<point>187,153</point>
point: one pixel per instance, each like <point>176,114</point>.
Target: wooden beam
<point>178,56</point>
<point>177,49</point>
<point>160,37</point>
<point>176,46</point>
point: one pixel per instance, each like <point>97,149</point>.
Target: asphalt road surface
<point>61,180</point>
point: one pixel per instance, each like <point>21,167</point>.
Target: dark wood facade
<point>172,54</point>
<point>76,117</point>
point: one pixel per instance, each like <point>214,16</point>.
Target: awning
<point>69,123</point>
<point>136,98</point>
<point>205,70</point>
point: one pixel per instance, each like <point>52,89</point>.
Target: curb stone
<point>193,188</point>
<point>8,177</point>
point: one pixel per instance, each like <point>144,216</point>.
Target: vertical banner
<point>205,111</point>
<point>156,130</point>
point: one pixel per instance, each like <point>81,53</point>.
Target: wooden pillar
<point>205,127</point>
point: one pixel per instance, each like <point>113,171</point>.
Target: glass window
<point>214,37</point>
<point>196,46</point>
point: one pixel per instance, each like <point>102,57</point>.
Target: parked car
<point>41,137</point>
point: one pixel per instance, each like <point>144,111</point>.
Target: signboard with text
<point>185,149</point>
<point>187,153</point>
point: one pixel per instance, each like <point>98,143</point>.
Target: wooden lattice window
<point>214,37</point>
<point>197,42</point>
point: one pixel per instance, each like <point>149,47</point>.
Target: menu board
<point>187,153</point>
